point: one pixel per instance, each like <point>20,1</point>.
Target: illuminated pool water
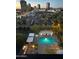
<point>47,40</point>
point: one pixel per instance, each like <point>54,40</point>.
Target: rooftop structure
<point>31,34</point>
<point>30,38</point>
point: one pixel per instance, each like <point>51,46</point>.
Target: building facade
<point>29,5</point>
<point>23,5</point>
<point>38,6</point>
<point>48,5</point>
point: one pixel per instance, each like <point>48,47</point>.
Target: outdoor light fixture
<point>33,46</point>
<point>23,47</point>
<point>46,39</point>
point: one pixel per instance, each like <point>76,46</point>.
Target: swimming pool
<point>47,40</point>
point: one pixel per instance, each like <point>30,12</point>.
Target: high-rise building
<point>38,6</point>
<point>47,5</point>
<point>23,5</point>
<point>29,5</point>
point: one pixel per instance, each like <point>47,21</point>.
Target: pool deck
<point>42,48</point>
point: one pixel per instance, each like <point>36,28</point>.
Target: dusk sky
<point>53,3</point>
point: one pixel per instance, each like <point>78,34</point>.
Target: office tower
<point>23,5</point>
<point>29,5</point>
<point>47,5</point>
<point>38,6</point>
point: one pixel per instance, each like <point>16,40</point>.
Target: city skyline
<point>53,3</point>
<point>39,29</point>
